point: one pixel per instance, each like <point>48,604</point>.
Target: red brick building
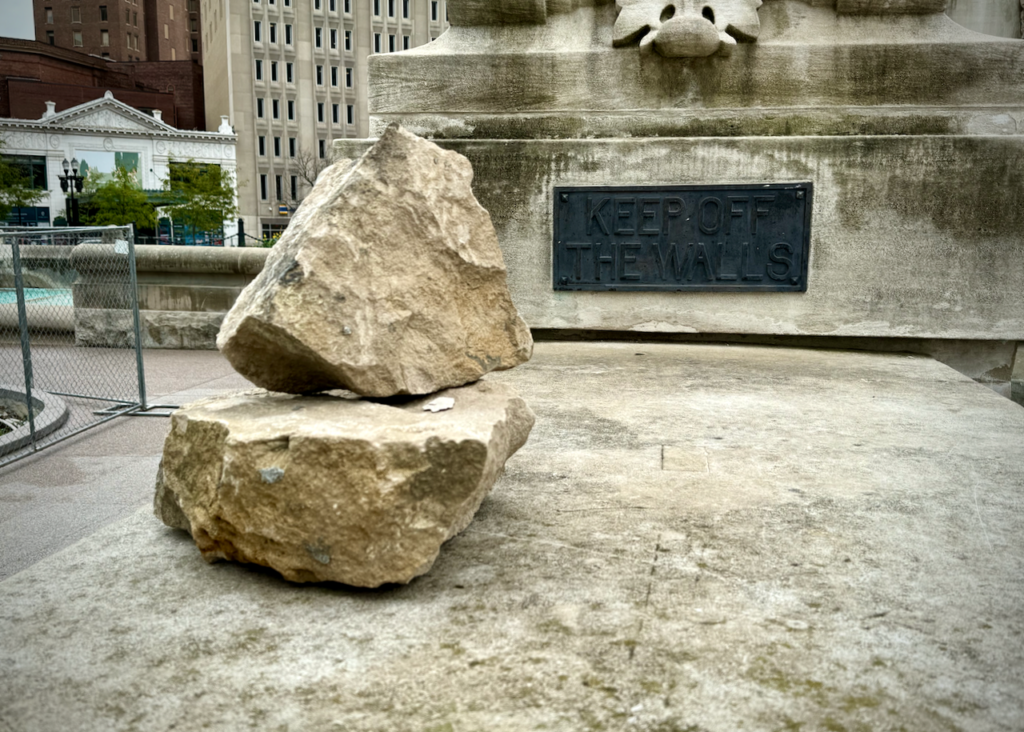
<point>122,30</point>
<point>33,73</point>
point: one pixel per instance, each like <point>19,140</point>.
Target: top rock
<point>389,280</point>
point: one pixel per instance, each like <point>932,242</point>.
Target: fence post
<point>26,346</point>
<point>134,286</point>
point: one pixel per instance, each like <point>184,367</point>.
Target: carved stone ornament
<point>687,28</point>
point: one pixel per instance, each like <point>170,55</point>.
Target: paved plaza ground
<point>696,537</point>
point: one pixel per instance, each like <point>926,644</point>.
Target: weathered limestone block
<point>389,280</point>
<point>497,12</point>
<point>329,488</point>
<point>890,7</point>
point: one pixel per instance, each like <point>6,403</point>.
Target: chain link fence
<point>70,348</point>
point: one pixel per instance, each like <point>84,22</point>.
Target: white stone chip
<point>441,404</point>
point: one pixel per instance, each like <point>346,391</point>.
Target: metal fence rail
<point>70,347</point>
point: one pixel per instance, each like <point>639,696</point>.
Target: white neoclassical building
<point>105,133</point>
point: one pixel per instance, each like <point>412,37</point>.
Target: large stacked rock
<point>389,282</point>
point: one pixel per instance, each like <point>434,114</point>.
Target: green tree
<point>15,187</point>
<point>120,200</point>
<point>204,196</point>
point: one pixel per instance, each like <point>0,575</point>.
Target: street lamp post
<point>69,183</point>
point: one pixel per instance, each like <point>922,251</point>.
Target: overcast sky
<point>17,19</point>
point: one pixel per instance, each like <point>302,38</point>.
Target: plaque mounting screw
<point>563,281</point>
<point>799,194</point>
<point>565,197</point>
<point>794,280</point>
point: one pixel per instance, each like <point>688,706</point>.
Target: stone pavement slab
<point>694,538</point>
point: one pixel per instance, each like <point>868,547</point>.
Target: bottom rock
<point>329,488</point>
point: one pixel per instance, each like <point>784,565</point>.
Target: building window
<point>332,6</point>
<point>77,38</point>
<point>135,19</point>
<point>129,35</point>
<point>195,45</point>
<point>263,180</point>
<point>335,117</point>
<point>391,8</point>
<point>319,37</point>
<point>104,38</point>
<point>257,31</point>
<point>76,15</point>
<point>49,38</point>
<point>288,34</point>
<point>348,76</point>
<point>170,9</point>
<point>103,13</point>
<point>350,114</point>
<point>322,148</point>
<point>319,111</point>
<point>277,147</point>
<point>405,43</point>
<point>49,16</point>
<point>193,25</point>
<point>334,39</point>
<point>263,147</point>
<point>316,4</point>
<point>277,186</point>
<point>433,9</point>
<point>319,75</point>
<point>273,70</point>
<point>166,32</point>
<point>259,108</point>
<point>259,70</point>
<point>275,109</point>
<point>135,42</point>
<point>174,55</point>
<point>405,8</point>
<point>334,76</point>
<point>376,42</point>
<point>128,18</point>
<point>292,146</point>
<point>391,43</point>
<point>376,7</point>
<point>295,187</point>
<point>287,3</point>
<point>348,40</point>
<point>291,109</point>
<point>289,72</point>
<point>348,6</point>
<point>273,32</point>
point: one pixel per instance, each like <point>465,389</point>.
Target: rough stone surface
<point>335,488</point>
<point>389,280</point>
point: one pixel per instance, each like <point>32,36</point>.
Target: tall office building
<point>122,30</point>
<point>291,75</point>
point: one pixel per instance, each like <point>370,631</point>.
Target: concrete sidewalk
<point>694,538</point>
<point>66,492</point>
